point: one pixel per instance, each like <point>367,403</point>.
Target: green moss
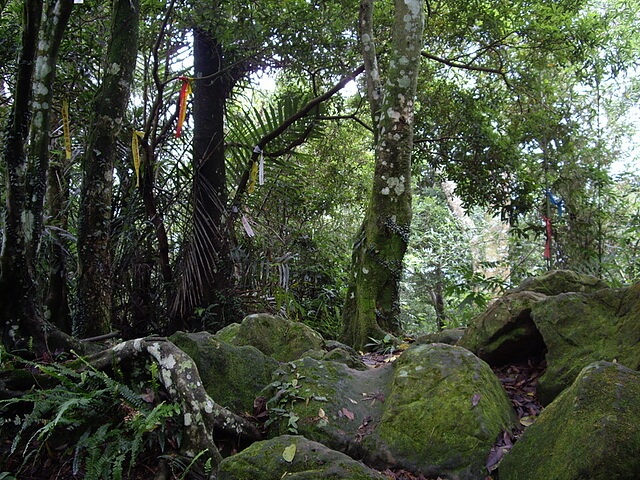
<point>582,328</point>
<point>430,421</point>
<point>274,336</point>
<point>591,431</point>
<point>233,376</point>
<point>312,461</point>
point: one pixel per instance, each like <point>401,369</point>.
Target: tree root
<point>180,377</point>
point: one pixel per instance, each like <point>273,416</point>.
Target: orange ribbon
<point>185,91</point>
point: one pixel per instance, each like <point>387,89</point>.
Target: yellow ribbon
<point>253,176</point>
<point>66,128</point>
<point>135,150</point>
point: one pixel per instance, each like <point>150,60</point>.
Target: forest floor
<point>519,381</point>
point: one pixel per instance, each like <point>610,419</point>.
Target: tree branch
<point>269,137</point>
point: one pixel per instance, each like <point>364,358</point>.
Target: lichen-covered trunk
<point>372,303</point>
<point>17,277</point>
<point>93,316</point>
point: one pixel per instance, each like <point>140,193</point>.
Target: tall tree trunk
<point>26,177</point>
<point>94,253</point>
<point>17,278</point>
<point>372,303</point>
<point>207,266</point>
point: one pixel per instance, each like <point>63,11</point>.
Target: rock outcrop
<point>592,430</point>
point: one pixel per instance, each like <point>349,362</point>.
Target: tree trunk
<point>17,278</point>
<point>207,266</point>
<point>372,304</point>
<point>93,315</point>
<point>56,303</point>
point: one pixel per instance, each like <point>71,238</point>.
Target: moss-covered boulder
<point>295,458</point>
<point>435,411</point>
<point>274,336</point>
<point>450,336</point>
<point>233,376</point>
<point>580,328</point>
<point>591,431</point>
<point>505,332</point>
<point>556,282</point>
<point>445,411</point>
<point>569,328</point>
<point>329,403</point>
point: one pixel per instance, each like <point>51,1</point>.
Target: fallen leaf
<point>475,400</point>
<point>321,413</point>
<point>352,400</point>
<point>495,457</point>
<point>348,414</point>
<point>527,420</point>
<point>289,453</point>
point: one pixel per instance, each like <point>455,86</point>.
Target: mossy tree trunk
<point>23,324</point>
<point>93,315</point>
<point>372,303</point>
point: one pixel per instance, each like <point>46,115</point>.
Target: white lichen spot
<point>169,362</point>
<point>208,406</point>
<point>385,191</point>
<point>187,419</point>
<point>394,115</point>
<point>403,373</point>
<point>418,368</point>
<point>166,378</point>
<point>40,89</point>
<point>414,6</point>
<point>137,344</point>
<point>352,296</point>
<point>396,137</point>
<point>404,81</point>
<point>119,347</point>
<point>365,270</point>
<point>114,69</point>
<point>397,184</point>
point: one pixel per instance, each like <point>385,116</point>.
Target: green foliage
<point>383,345</point>
<point>102,423</point>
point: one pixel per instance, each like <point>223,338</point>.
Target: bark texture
<point>372,304</point>
<point>93,315</point>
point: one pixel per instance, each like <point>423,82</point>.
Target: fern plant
<point>107,422</point>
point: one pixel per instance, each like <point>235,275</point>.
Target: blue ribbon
<point>558,202</point>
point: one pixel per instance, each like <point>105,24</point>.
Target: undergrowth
<point>98,422</point>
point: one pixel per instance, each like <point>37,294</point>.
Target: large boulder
<point>445,410</point>
<point>505,332</point>
<point>556,282</point>
<point>274,336</point>
<point>570,329</point>
<point>295,458</point>
<point>232,376</point>
<point>435,411</point>
<point>591,431</point>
